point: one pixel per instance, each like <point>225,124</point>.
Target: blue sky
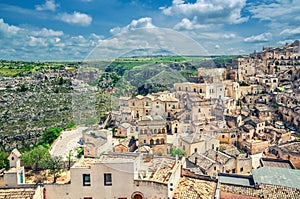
<point>73,29</point>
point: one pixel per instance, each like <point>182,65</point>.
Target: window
<point>107,179</point>
<point>133,104</point>
<point>195,150</point>
<point>195,90</point>
<point>223,136</point>
<point>86,178</point>
<point>147,103</point>
<point>200,90</point>
<point>241,169</point>
<point>87,198</point>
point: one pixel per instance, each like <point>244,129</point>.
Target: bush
<point>243,83</point>
<point>50,136</point>
<point>4,163</point>
<point>70,125</point>
<point>80,152</point>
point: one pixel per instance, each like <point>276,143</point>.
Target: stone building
<point>12,183</point>
<point>122,130</point>
<point>197,142</point>
<point>288,151</point>
<point>153,133</point>
<point>213,162</point>
<point>94,139</point>
<point>228,136</point>
<point>122,175</point>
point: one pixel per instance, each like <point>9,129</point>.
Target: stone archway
<point>137,195</point>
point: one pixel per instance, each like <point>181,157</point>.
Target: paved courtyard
<point>68,140</point>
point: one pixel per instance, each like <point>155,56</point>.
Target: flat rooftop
<point>270,162</point>
<point>277,176</point>
<point>291,147</point>
<point>235,179</point>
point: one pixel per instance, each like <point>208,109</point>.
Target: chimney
<point>217,155</point>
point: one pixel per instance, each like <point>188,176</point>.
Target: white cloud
<point>77,18</point>
<point>37,41</point>
<point>145,22</point>
<point>217,46</point>
<point>186,24</point>
<point>31,43</point>
<point>278,15</point>
<point>48,5</point>
<point>229,36</point>
<point>215,35</point>
<point>47,33</point>
<point>276,10</point>
<point>291,32</point>
<point>264,37</point>
<point>212,11</point>
<point>145,41</point>
<point>8,29</point>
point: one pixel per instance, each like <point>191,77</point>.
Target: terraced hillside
<point>35,96</point>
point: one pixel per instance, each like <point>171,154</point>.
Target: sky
<point>100,29</point>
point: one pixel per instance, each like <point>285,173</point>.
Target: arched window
<point>151,142</point>
<point>162,141</point>
<point>157,141</point>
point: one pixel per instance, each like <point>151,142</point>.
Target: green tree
<point>176,151</point>
<point>34,157</point>
<point>4,163</point>
<point>54,164</point>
